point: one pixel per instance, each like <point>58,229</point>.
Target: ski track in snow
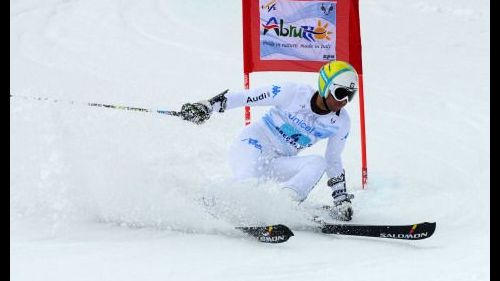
<point>98,194</point>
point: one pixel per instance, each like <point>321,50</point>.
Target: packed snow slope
<point>102,194</point>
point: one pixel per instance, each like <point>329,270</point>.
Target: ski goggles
<point>341,93</point>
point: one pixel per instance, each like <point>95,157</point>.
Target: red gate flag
<point>300,35</point>
<point>303,35</point>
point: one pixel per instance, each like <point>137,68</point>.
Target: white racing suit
<point>269,147</point>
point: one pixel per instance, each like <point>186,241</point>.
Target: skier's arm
<point>333,155</point>
<point>277,94</point>
<point>335,168</point>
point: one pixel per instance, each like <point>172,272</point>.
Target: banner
<point>300,35</point>
<point>297,30</point>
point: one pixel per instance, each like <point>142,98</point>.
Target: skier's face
<point>333,104</point>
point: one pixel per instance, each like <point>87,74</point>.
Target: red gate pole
<point>247,108</point>
<point>364,166</point>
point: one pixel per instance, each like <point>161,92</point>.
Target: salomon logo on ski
<point>273,239</point>
<point>269,234</point>
<point>405,236</point>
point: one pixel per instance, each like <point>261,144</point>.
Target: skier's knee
<point>316,163</point>
<point>243,171</point>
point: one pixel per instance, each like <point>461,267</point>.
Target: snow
<point>101,194</point>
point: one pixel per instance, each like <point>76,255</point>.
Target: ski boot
<point>342,207</point>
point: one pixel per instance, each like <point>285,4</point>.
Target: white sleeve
<point>333,154</point>
<point>279,94</point>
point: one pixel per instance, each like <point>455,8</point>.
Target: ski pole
<point>94,104</point>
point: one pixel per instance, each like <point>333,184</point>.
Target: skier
<point>300,117</point>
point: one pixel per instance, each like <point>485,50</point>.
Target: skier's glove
<point>218,102</point>
<point>338,187</point>
<point>197,112</point>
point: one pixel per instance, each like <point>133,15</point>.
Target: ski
<point>268,234</point>
<point>280,233</point>
<point>417,231</point>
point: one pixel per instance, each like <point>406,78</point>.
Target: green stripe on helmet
<point>328,80</point>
